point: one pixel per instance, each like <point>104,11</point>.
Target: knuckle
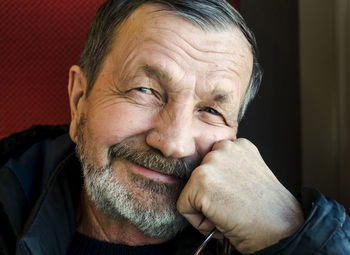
<point>243,141</point>
<point>210,157</point>
<point>226,143</point>
<point>199,173</point>
<point>222,144</point>
<point>246,143</point>
<point>201,176</point>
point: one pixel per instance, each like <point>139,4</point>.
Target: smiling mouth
<point>154,174</point>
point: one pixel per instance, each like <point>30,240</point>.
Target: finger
<point>189,205</point>
<point>206,226</point>
<point>186,208</point>
<point>222,144</point>
<point>218,235</point>
<point>244,143</point>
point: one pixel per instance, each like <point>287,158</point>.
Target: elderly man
<point>155,104</point>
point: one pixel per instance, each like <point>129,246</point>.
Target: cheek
<point>110,126</point>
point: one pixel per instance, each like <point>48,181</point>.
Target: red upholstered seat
<point>39,41</point>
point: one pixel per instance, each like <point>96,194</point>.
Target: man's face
<point>166,93</point>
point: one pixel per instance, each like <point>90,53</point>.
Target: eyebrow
<point>220,97</point>
<point>154,73</point>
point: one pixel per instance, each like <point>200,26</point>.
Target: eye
<point>210,110</point>
<point>144,90</point>
<point>212,116</point>
<point>143,93</point>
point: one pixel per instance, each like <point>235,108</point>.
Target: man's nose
<point>173,133</point>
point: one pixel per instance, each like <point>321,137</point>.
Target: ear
<point>77,86</point>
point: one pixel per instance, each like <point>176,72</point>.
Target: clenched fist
<point>235,192</point>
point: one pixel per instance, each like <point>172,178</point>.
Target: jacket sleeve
<point>326,230</point>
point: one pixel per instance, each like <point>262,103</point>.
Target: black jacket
<point>40,185</point>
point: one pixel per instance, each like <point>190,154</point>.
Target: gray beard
<point>154,211</point>
<point>115,201</point>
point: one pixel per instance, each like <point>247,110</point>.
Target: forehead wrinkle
<point>234,65</point>
<point>161,74</point>
<point>190,45</point>
<point>161,11</point>
<point>187,51</point>
<point>169,29</point>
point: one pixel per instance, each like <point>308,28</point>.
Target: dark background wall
<point>272,121</point>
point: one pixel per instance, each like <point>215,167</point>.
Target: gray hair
<point>206,14</point>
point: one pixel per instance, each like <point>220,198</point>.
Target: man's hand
<point>235,192</point>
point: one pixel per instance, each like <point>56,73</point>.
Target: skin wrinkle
<point>226,109</point>
<point>128,95</point>
<point>112,92</point>
<point>161,73</point>
<point>166,13</point>
<point>196,48</point>
<point>165,53</point>
<point>192,46</point>
<point>205,59</point>
<point>176,92</point>
<point>99,222</point>
<point>241,95</point>
<point>198,59</point>
<point>130,62</point>
<point>160,77</point>
<point>127,62</point>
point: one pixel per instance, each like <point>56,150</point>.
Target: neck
<point>94,223</point>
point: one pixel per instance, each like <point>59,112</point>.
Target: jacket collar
<point>52,222</point>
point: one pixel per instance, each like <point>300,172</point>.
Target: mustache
<point>153,159</point>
